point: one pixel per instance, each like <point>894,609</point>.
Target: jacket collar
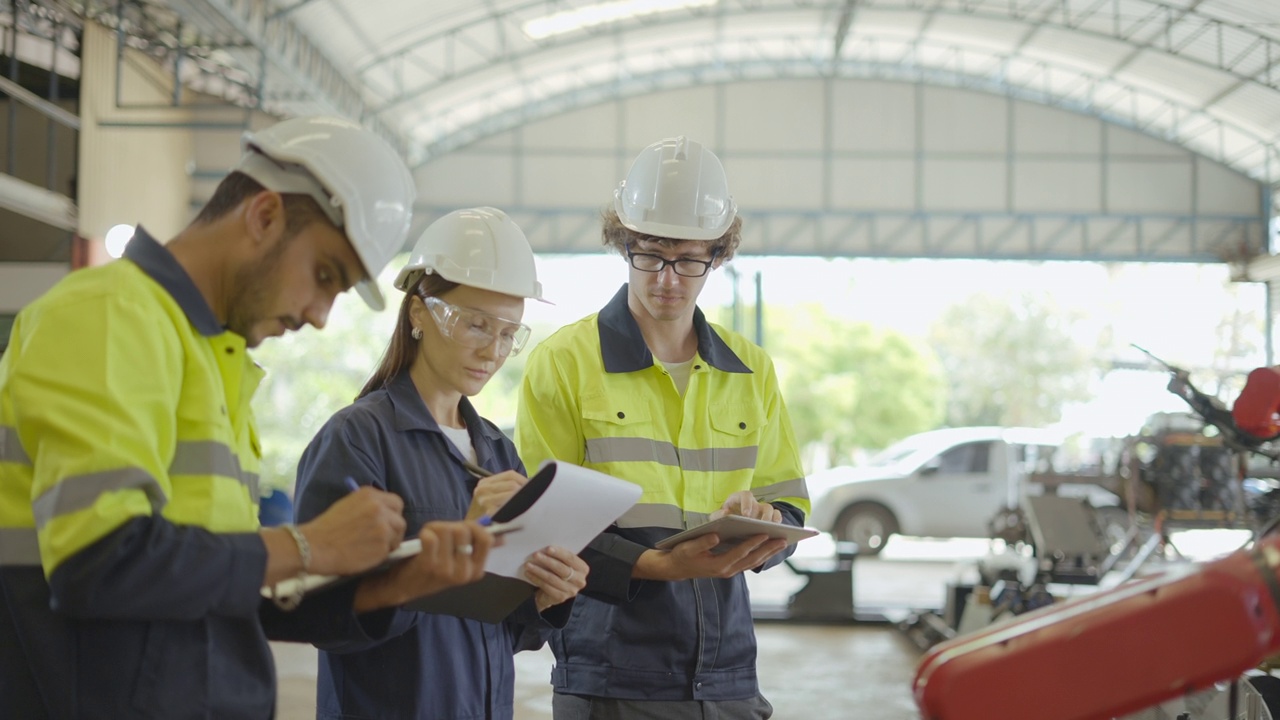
<point>624,350</point>
<point>160,265</point>
<point>412,414</point>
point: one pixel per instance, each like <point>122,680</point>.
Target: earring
<point>416,333</point>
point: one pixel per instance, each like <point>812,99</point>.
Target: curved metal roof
<point>438,75</point>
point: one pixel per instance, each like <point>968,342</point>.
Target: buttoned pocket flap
<point>615,413</point>
<point>737,418</point>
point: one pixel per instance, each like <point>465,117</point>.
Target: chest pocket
<point>735,437</point>
<point>603,417</point>
<point>619,431</point>
<point>736,424</point>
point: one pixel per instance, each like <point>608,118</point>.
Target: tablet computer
<point>733,529</point>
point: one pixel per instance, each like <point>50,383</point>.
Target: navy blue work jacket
<point>432,666</point>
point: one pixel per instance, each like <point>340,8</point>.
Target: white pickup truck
<point>943,483</point>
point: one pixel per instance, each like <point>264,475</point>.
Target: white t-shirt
<point>462,439</point>
<point>680,373</point>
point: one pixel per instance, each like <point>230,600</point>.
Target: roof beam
<point>292,51</point>
<point>1164,28</point>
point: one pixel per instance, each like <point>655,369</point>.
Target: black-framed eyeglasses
<point>684,267</point>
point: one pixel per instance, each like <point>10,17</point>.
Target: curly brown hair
<point>617,236</point>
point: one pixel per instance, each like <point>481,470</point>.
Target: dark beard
<point>252,291</point>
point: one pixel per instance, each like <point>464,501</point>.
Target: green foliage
<point>850,385</point>
<point>311,375</point>
<point>1011,361</point>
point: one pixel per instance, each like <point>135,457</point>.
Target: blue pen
<point>484,521</point>
<point>352,485</point>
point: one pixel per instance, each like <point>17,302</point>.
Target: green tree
<point>1010,361</point>
<point>310,376</point>
<point>313,374</point>
<point>851,385</point>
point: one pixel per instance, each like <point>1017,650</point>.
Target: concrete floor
<point>807,671</point>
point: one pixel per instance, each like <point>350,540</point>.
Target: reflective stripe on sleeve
<point>10,449</point>
<point>19,546</point>
<point>79,492</point>
<point>781,490</point>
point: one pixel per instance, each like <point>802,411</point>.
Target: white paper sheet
<point>577,505</point>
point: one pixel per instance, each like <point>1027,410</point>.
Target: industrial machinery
<point>1118,651</point>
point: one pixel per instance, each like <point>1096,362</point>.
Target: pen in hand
<point>352,485</point>
<point>476,471</point>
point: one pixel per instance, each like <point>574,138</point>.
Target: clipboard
<point>733,529</point>
<point>306,583</point>
<point>493,597</point>
<point>562,504</point>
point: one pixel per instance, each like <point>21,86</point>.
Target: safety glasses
<point>476,329</point>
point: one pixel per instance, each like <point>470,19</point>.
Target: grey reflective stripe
<point>10,449</point>
<point>660,515</point>
<point>82,491</point>
<point>209,457</point>
<point>631,449</point>
<point>637,449</point>
<point>19,546</point>
<point>251,480</point>
<point>786,489</point>
<point>719,459</point>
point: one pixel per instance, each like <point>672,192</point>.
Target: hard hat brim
<point>369,292</point>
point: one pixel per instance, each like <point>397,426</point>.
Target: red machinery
<point>1136,645</point>
<point>1113,652</point>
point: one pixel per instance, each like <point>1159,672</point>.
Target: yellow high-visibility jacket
<point>114,405</point>
<point>130,560</point>
<point>593,395</point>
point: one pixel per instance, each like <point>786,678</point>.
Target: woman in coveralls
<point>413,432</point>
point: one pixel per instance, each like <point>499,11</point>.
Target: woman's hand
<point>493,492</point>
<point>558,574</point>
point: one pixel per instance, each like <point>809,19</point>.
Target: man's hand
<point>453,553</point>
<point>558,574</point>
<point>745,504</point>
<point>356,533</point>
<point>694,559</point>
<point>493,492</point>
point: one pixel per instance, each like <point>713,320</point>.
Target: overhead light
<point>117,238</point>
<point>601,13</point>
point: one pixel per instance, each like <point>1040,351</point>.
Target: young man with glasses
<point>649,391</point>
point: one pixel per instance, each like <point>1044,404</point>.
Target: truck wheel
<point>867,525</point>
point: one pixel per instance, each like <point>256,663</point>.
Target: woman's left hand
<point>557,573</point>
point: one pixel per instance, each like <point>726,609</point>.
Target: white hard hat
<point>364,186</point>
<point>676,189</point>
<point>480,247</point>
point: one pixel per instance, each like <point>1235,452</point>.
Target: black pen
<point>476,471</point>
